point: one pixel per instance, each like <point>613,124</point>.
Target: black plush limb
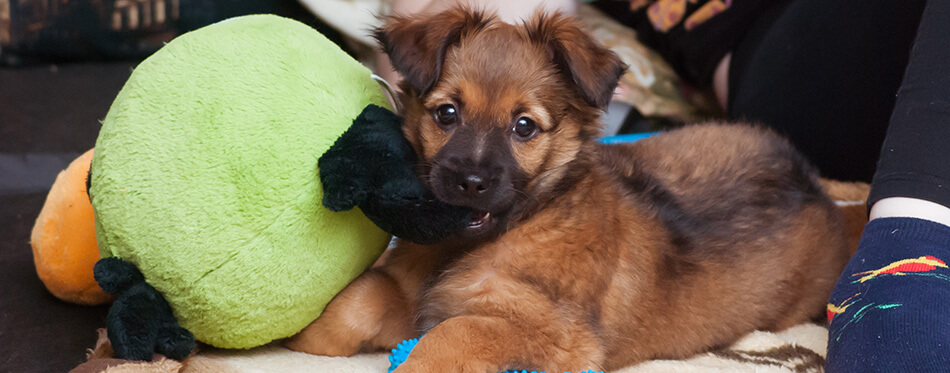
<point>409,211</point>
<point>372,166</point>
<point>89,184</point>
<point>140,322</point>
<point>115,275</point>
<point>131,325</point>
<point>350,169</point>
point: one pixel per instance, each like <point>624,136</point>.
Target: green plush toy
<point>205,178</point>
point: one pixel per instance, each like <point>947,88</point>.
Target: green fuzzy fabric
<point>205,177</point>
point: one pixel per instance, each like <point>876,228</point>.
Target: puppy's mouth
<point>479,219</point>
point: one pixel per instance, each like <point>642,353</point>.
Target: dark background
<point>48,116</point>
<point>51,102</point>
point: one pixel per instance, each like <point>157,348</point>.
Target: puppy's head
<point>498,113</point>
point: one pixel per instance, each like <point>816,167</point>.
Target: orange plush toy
<point>64,238</point>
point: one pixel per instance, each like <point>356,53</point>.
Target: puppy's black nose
<point>472,185</point>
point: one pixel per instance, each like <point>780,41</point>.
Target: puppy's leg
<point>536,336</point>
<point>367,311</point>
<point>375,311</point>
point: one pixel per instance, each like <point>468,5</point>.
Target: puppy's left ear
<point>417,45</point>
<point>593,69</point>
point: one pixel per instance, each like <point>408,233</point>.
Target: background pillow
<point>55,30</point>
<point>650,85</point>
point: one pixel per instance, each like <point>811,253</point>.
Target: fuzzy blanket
<point>798,349</point>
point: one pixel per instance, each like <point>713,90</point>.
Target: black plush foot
<point>140,322</point>
<point>175,343</point>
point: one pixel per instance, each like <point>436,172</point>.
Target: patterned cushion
<point>650,85</point>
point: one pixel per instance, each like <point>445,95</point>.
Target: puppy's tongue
<point>479,218</point>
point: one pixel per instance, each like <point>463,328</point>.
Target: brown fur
<point>595,257</point>
<point>852,197</point>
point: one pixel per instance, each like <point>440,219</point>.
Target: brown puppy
<point>581,255</point>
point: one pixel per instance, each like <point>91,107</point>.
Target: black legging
<point>825,74</point>
<point>828,73</point>
<point>915,159</point>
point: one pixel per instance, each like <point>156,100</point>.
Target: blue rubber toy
<point>402,350</point>
<point>626,138</point>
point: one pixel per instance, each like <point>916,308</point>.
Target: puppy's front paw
<point>321,339</point>
<point>423,365</point>
<point>440,355</point>
<point>370,313</point>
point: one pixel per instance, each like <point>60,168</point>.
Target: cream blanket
<point>798,349</point>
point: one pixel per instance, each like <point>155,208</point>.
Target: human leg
<point>889,309</point>
<point>825,73</point>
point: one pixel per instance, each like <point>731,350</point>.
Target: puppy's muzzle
<point>475,170</point>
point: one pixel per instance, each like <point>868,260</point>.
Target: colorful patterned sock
<point>890,311</point>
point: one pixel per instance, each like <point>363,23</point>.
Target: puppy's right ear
<point>593,69</point>
<point>416,46</point>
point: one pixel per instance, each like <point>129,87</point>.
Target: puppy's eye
<point>525,128</point>
<point>446,115</point>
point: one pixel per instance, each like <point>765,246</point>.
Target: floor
<point>49,114</point>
